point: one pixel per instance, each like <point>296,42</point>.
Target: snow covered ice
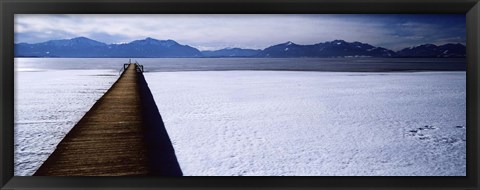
<point>48,103</point>
<point>314,123</point>
<point>268,122</point>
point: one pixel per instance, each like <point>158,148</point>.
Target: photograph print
<point>240,95</point>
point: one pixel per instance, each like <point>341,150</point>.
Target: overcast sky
<point>210,32</point>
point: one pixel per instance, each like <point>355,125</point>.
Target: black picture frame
<point>8,8</point>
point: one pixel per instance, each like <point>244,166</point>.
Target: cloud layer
<point>209,32</point>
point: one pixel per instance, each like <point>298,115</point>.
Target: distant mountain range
<point>84,47</point>
<point>336,48</point>
<point>153,48</point>
<point>232,52</point>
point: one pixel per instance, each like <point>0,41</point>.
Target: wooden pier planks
<point>108,140</point>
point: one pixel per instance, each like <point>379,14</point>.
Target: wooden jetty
<point>110,140</point>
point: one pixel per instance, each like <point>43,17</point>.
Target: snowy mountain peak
<point>148,40</point>
<point>431,50</point>
<point>168,43</point>
<point>153,41</point>
<point>428,45</point>
<point>338,42</point>
<point>79,41</point>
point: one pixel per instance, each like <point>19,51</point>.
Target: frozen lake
<point>314,123</point>
<point>262,122</point>
<point>48,103</point>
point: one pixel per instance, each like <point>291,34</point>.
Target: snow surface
<point>48,103</point>
<point>314,123</point>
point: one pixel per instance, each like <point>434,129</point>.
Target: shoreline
<point>252,64</point>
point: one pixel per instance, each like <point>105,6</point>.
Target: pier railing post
<point>139,67</point>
